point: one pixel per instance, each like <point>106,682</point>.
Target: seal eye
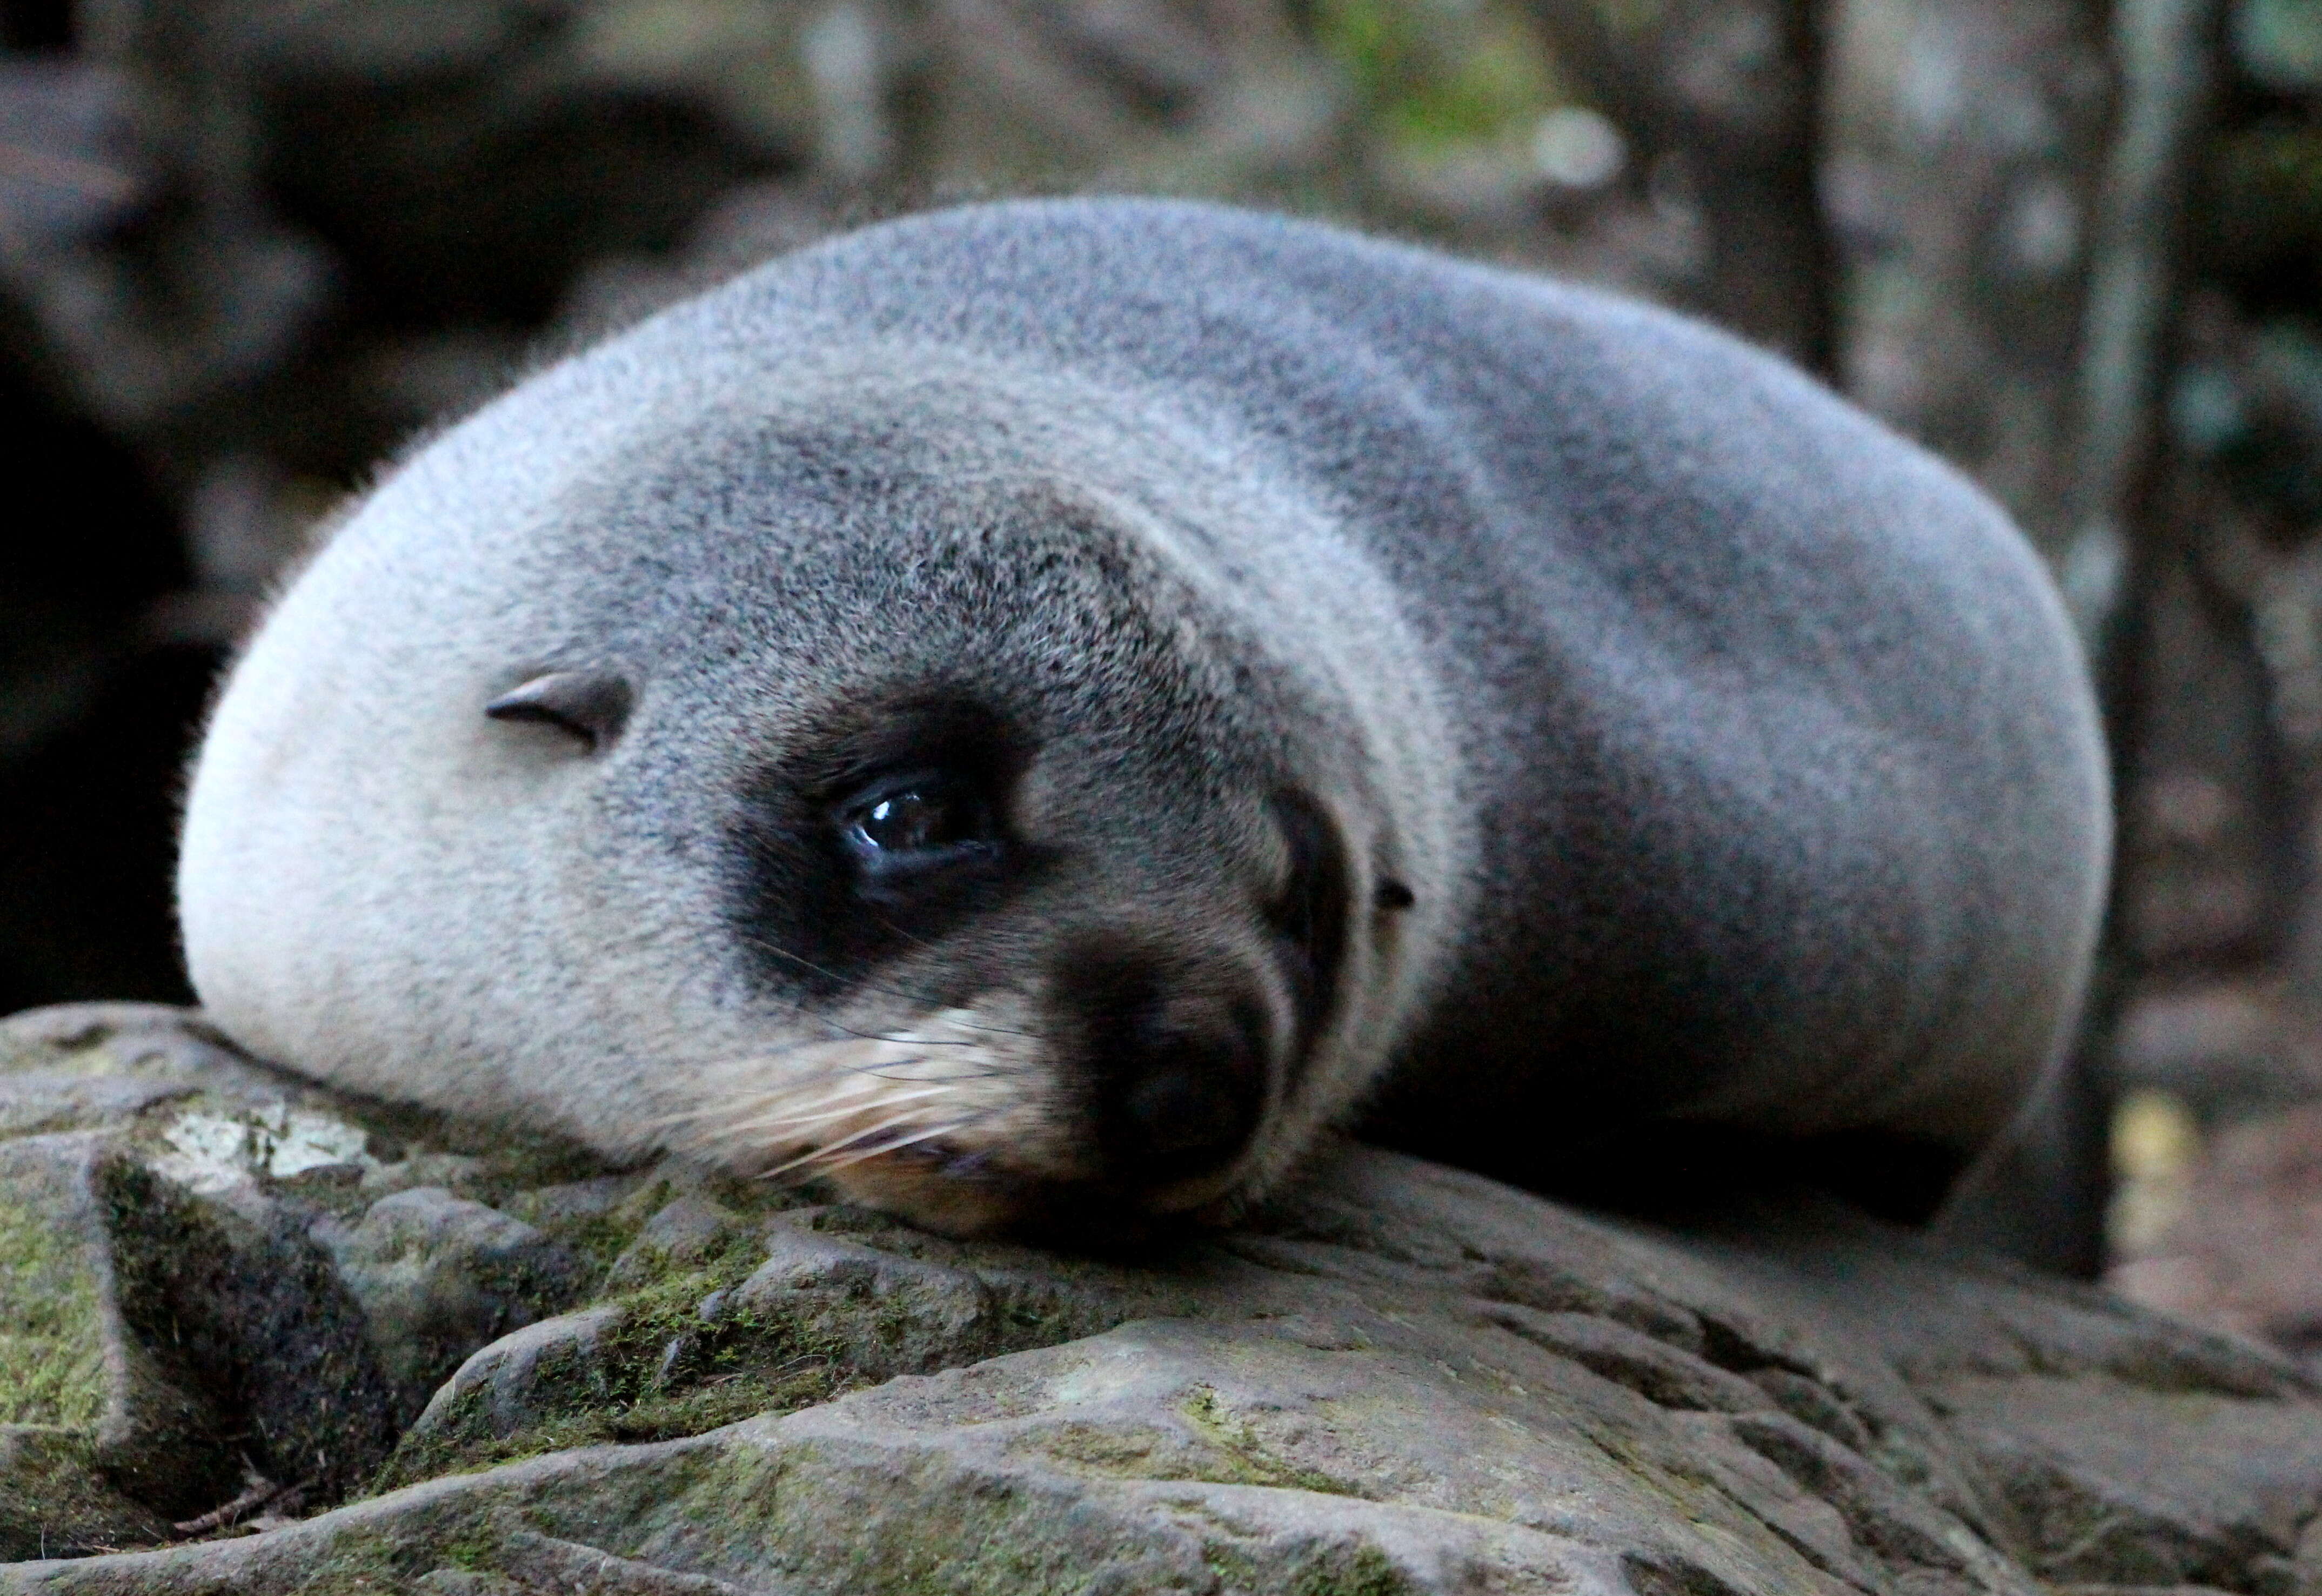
<point>927,820</point>
<point>910,820</point>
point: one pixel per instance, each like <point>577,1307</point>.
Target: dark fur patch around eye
<point>811,908</point>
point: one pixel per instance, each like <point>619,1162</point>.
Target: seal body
<point>1036,711</point>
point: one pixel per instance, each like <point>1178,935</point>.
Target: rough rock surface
<point>1401,1379</point>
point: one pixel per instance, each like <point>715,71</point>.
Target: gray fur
<point>1736,753</point>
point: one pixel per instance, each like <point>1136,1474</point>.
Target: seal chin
<point>991,1202</point>
<point>948,1205</point>
<point>1129,1113</point>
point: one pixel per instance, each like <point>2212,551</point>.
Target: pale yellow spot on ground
<point>2156,1147</point>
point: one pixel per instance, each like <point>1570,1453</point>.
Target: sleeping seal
<point>1033,711</point>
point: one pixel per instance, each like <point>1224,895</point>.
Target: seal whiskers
<point>819,1107</point>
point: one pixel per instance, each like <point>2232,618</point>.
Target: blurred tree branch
<point>2125,544</point>
<point>2166,53</point>
<point>1724,98</point>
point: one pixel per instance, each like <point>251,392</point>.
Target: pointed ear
<point>591,705</point>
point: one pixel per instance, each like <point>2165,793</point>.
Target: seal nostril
<point>1184,1110</point>
<point>1174,1115</point>
<point>1175,1070</point>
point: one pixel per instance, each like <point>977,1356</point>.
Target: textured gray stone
<point>79,1359</point>
<point>169,1313</point>
<point>1398,1379</point>
<point>687,1233</point>
<point>437,1276</point>
<point>519,1381</point>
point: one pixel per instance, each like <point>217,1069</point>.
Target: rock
<point>438,1276</point>
<point>689,1233</point>
<point>168,1331</point>
<point>81,1402</point>
<point>2074,1457</point>
<point>878,1314</point>
<point>521,1383</point>
<point>74,173</point>
<point>55,1500</point>
<point>709,1317</point>
<point>441,1170</point>
<point>1398,1379</point>
<point>193,1279</point>
<point>81,1362</point>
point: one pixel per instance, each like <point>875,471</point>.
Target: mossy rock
<point>1397,1380</point>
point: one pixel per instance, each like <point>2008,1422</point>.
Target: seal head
<point>877,781</point>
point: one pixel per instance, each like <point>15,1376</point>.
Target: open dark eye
<point>927,820</point>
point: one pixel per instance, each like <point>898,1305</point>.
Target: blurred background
<point>248,246</point>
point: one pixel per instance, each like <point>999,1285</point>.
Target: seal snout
<point>1173,1050</point>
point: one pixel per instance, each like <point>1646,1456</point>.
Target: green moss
<point>474,1551</point>
<point>1244,1458</point>
<point>1229,1454</point>
<point>54,1502</point>
<point>1359,1569</point>
<point>1032,1321</point>
<point>974,1534</point>
<point>597,1240</point>
<point>358,1563</point>
<point>1362,1570</point>
<point>666,1417</point>
<point>52,1338</point>
<point>646,1201</point>
<point>657,1373</point>
<point>754,1199</point>
<point>986,1539</point>
<point>517,1163</point>
<point>1117,1453</point>
<point>1343,1569</point>
<point>602,1237</point>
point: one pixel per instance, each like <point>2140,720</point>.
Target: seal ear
<point>591,705</point>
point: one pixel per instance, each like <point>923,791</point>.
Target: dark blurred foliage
<point>36,25</point>
<point>248,245</point>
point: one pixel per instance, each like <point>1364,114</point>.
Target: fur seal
<point>1033,711</point>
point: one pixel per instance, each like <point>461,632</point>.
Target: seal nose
<point>1175,1069</point>
<point>1181,1097</point>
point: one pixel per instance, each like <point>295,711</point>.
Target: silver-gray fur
<point>1286,659</point>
